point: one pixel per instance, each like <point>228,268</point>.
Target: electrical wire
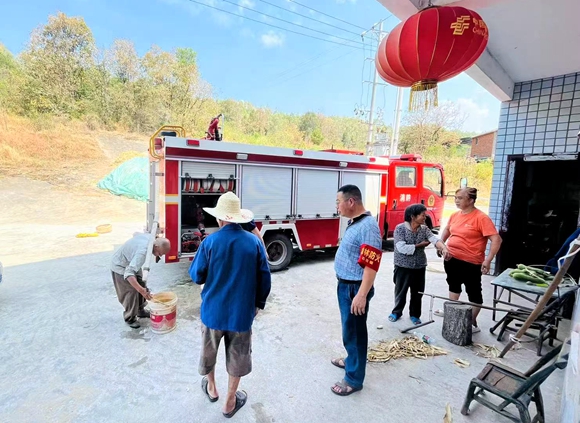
<point>305,62</point>
<point>274,26</point>
<point>324,53</point>
<point>325,14</point>
<point>309,17</point>
<point>289,22</point>
<point>310,69</point>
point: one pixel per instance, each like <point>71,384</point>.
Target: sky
<point>250,61</point>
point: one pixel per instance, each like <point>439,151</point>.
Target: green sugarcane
<point>523,276</point>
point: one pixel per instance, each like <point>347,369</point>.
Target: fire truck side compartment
<point>316,193</point>
<point>267,191</point>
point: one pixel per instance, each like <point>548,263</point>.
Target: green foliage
<point>9,74</point>
<point>62,73</point>
<point>56,65</point>
<point>458,164</point>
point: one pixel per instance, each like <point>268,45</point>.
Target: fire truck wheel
<point>279,250</point>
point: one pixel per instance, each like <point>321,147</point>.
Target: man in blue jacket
<point>574,270</point>
<point>233,266</point>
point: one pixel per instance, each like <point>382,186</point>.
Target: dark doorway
<point>541,208</point>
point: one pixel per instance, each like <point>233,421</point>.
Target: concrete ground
<point>67,356</point>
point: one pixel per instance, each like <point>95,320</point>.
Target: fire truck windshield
<point>432,180</point>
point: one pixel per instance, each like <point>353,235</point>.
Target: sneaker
<point>475,329</point>
<point>439,313</point>
<point>144,314</point>
<point>134,324</point>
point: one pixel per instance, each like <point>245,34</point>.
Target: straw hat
<point>228,209</point>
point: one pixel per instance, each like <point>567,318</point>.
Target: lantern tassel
<point>423,95</point>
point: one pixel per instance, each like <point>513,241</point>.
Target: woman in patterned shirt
<point>411,238</point>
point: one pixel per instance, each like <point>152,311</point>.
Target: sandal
<point>241,398</point>
<point>393,317</point>
<point>204,383</point>
<point>337,361</point>
<point>415,320</point>
<point>344,389</point>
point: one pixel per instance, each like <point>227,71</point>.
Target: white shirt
<point>130,258</point>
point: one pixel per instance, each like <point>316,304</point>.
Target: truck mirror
<point>463,183</point>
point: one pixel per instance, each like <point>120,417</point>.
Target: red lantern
<point>430,47</point>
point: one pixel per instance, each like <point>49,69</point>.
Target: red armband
<point>370,256</point>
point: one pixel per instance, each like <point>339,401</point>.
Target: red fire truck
<point>292,192</point>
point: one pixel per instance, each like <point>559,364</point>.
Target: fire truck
<point>292,192</point>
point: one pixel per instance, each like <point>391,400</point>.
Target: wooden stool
<point>457,323</point>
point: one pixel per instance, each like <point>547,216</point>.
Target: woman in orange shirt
<point>466,237</point>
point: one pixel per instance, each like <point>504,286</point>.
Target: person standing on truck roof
<point>126,267</point>
<point>411,238</point>
<point>466,236</point>
<point>213,130</point>
<point>356,264</point>
<point>233,266</point>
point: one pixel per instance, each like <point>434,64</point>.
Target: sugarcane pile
<point>409,346</point>
<point>486,351</point>
<point>537,277</point>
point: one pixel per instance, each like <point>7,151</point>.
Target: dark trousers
<point>354,334</point>
<point>459,273</point>
<point>132,301</point>
<point>405,279</point>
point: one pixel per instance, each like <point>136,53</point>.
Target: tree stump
<point>457,323</point>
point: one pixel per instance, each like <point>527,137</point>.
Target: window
<point>433,180</point>
<point>406,176</point>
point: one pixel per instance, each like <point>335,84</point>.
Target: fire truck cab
<point>292,192</point>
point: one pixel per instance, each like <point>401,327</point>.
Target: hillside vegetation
<point>61,93</point>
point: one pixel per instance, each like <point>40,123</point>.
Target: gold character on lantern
<point>460,25</point>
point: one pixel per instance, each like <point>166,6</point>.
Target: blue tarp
<point>130,179</point>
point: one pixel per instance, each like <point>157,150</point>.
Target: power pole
<point>397,125</point>
<point>374,90</point>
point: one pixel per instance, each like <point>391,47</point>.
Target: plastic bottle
<point>426,339</point>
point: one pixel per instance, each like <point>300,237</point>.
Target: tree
<point>131,97</point>
<point>317,137</point>
<point>124,63</point>
<point>57,61</point>
<point>426,128</point>
<point>9,77</point>
<point>309,122</point>
<point>188,91</point>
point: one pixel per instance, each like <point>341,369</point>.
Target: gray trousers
<point>132,301</point>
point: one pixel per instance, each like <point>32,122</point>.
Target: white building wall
<point>542,118</point>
